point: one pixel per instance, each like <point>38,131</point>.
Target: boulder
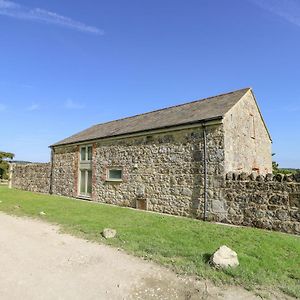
<point>224,257</point>
<point>109,233</point>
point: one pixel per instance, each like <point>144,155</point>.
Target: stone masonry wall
<point>248,147</point>
<point>269,202</point>
<point>166,170</point>
<point>65,171</point>
<point>31,177</point>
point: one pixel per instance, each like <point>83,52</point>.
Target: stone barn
<point>170,160</point>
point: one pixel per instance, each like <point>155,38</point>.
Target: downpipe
<point>51,172</point>
<point>205,174</point>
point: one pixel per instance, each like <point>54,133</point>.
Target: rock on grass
<point>224,257</point>
<point>109,233</point>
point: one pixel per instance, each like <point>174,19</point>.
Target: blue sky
<point>66,65</point>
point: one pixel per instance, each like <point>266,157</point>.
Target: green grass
<point>268,260</point>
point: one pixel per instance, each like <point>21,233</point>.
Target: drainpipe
<point>10,175</point>
<point>51,172</point>
<point>205,173</point>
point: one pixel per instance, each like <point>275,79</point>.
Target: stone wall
<point>31,177</point>
<point>165,170</point>
<point>269,202</point>
<point>65,171</point>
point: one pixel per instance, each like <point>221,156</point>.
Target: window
<point>85,171</point>
<point>114,175</point>
<point>86,153</point>
<point>85,183</point>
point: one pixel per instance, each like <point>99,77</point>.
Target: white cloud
<point>286,9</point>
<point>15,10</point>
<point>33,107</point>
<point>2,107</point>
<point>70,104</point>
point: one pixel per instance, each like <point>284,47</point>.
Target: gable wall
<point>247,144</point>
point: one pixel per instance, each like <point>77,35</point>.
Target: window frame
<point>114,179</point>
<point>85,194</point>
<point>86,147</point>
<point>85,166</point>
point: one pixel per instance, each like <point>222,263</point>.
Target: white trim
<point>86,166</point>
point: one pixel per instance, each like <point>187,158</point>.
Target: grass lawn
<point>267,259</point>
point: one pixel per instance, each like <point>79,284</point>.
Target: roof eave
<point>200,122</point>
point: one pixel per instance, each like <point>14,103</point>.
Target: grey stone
<point>289,178</point>
<point>224,257</point>
<point>140,192</point>
<point>229,176</point>
<point>253,176</point>
<point>243,176</point>
<point>187,192</point>
<point>279,177</point>
<point>218,206</point>
<point>260,178</point>
<point>269,177</point>
<point>109,233</point>
<point>297,177</point>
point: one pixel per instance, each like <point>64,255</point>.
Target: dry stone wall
<point>31,177</point>
<point>269,202</point>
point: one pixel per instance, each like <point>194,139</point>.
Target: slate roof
<point>188,113</point>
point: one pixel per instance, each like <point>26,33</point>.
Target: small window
<point>114,175</point>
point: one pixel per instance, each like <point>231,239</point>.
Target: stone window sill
<point>114,180</point>
<point>84,197</point>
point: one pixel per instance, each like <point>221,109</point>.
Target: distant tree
<point>4,166</point>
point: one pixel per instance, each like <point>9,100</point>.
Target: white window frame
<point>114,179</point>
<point>86,147</point>
<point>85,165</point>
<point>85,194</point>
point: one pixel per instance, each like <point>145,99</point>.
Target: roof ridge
<point>173,106</point>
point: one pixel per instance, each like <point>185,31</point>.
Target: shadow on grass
<point>206,257</point>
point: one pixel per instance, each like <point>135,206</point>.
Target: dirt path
<point>37,262</point>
